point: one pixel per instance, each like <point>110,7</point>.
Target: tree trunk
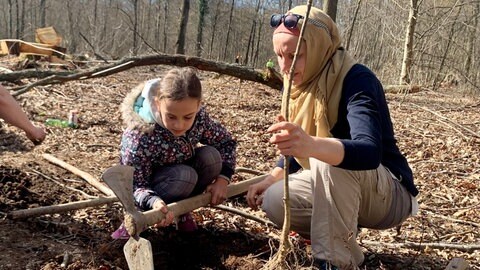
<point>471,40</point>
<point>43,12</point>
<point>331,8</point>
<point>183,28</point>
<point>22,20</point>
<point>350,32</point>
<point>72,23</point>
<point>202,8</point>
<point>10,15</point>
<point>251,39</point>
<point>408,48</point>
<point>135,27</point>
<point>439,76</point>
<point>214,27</point>
<point>17,18</point>
<point>165,12</point>
<point>228,30</point>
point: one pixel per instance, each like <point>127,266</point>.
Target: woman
<point>341,136</point>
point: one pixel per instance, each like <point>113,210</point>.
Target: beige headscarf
<point>314,103</point>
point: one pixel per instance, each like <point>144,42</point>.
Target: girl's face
<point>178,115</point>
<point>284,46</point>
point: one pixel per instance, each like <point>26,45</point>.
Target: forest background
<point>443,44</point>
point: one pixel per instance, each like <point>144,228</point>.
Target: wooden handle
<point>184,206</point>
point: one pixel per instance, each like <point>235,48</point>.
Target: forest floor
<point>438,131</point>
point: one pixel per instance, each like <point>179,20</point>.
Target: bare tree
<point>214,26</point>
<point>43,12</point>
<point>331,8</point>
<point>471,39</point>
<point>135,27</point>
<point>183,28</point>
<point>408,48</point>
<point>202,9</point>
<point>350,31</point>
<point>228,29</point>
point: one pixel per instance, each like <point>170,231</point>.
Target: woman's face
<point>284,46</point>
<point>178,115</point>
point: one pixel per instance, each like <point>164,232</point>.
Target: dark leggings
<point>176,182</point>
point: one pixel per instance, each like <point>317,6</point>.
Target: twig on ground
<point>448,120</point>
<point>245,215</point>
<point>414,245</point>
<point>87,196</point>
<point>87,177</point>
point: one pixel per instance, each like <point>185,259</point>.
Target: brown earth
<point>438,131</point>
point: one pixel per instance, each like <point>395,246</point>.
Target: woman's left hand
<point>218,189</point>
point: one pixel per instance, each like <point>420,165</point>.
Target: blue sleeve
<point>294,166</point>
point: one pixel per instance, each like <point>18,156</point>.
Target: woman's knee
<point>273,203</point>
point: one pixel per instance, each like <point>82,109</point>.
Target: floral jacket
<point>146,146</point>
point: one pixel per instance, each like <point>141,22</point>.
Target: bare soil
<point>438,131</point>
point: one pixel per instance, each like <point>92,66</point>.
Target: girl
<point>177,150</point>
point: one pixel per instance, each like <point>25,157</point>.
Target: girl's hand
<point>160,204</point>
<point>218,189</point>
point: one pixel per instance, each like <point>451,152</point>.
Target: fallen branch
<point>195,202</point>
<point>245,215</point>
<point>63,185</point>
<point>60,208</point>
<point>234,70</point>
<point>465,222</point>
<point>87,177</point>
<point>448,120</point>
<point>414,245</point>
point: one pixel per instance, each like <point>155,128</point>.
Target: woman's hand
<point>218,189</point>
<point>255,192</point>
<point>290,139</point>
<point>160,204</point>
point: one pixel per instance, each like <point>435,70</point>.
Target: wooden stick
<point>461,247</point>
<point>193,202</point>
<point>53,209</point>
<point>245,215</point>
<point>87,177</point>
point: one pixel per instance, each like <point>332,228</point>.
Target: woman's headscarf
<point>314,103</point>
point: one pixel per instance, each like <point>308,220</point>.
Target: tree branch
<point>234,70</point>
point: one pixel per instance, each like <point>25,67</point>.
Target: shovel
<point>137,250</point>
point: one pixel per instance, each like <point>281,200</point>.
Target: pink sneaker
<point>121,233</point>
<point>186,223</point>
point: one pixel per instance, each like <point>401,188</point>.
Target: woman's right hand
<point>160,204</point>
<point>255,192</point>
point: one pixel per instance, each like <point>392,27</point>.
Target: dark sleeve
<point>363,150</point>
<point>294,166</point>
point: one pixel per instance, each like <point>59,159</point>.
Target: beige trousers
<point>328,204</point>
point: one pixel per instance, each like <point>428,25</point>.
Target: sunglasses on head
<point>289,20</point>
